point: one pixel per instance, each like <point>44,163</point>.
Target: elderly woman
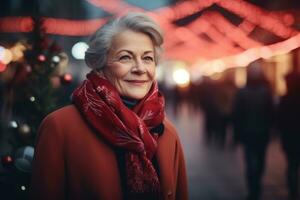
<point>114,142</point>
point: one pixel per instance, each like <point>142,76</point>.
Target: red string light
<point>257,16</point>
<point>72,27</point>
<point>204,26</point>
<point>232,32</point>
<point>226,38</point>
<point>246,26</point>
<point>52,25</point>
<point>16,24</point>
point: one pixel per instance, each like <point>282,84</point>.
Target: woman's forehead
<point>132,41</point>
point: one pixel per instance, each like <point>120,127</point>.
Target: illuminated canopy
<point>194,30</point>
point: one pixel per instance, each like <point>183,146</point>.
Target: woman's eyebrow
<point>146,52</point>
<point>131,53</point>
<point>127,51</point>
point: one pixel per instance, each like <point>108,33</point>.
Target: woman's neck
<point>130,103</point>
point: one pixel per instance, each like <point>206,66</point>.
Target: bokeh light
<point>78,50</point>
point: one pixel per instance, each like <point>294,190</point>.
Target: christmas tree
<point>28,91</point>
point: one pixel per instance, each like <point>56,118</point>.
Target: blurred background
<point>209,45</point>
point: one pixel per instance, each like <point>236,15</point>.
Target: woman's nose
<point>139,66</point>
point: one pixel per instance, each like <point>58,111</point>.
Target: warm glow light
<point>206,69</point>
<point>78,50</point>
<point>17,51</point>
<point>266,52</point>
<point>216,76</point>
<point>181,77</point>
<point>197,70</point>
<point>218,66</point>
<point>241,60</point>
<point>252,54</point>
<point>240,77</point>
<point>292,43</point>
<point>283,65</point>
<point>7,56</point>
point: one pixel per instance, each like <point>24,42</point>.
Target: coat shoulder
<point>65,113</point>
<point>62,121</point>
<point>170,130</point>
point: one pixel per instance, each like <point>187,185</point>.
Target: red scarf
<point>101,105</point>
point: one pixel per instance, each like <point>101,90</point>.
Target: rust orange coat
<point>72,162</point>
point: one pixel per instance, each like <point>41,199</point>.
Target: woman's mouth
<point>137,82</point>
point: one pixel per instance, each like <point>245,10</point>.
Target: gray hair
<point>100,42</point>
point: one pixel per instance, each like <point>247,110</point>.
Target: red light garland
<point>204,26</point>
<point>72,27</point>
<point>52,25</point>
<point>259,17</point>
<point>227,39</point>
<point>231,31</point>
<point>16,24</point>
<point>246,26</point>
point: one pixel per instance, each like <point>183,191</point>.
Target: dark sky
<point>277,4</point>
<point>71,9</point>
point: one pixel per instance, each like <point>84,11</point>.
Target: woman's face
<point>131,64</point>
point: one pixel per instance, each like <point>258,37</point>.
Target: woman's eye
<point>125,58</point>
<point>149,59</point>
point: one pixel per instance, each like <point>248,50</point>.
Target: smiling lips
<point>137,82</point>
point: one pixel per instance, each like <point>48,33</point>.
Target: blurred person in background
<point>216,100</point>
<point>252,118</point>
<point>207,100</point>
<point>224,98</point>
<point>114,142</point>
<point>288,113</point>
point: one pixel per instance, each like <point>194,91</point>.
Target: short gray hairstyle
<point>101,41</point>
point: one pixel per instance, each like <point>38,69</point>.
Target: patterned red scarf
<point>101,105</point>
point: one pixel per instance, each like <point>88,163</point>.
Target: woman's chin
<point>135,92</point>
<point>136,95</point>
